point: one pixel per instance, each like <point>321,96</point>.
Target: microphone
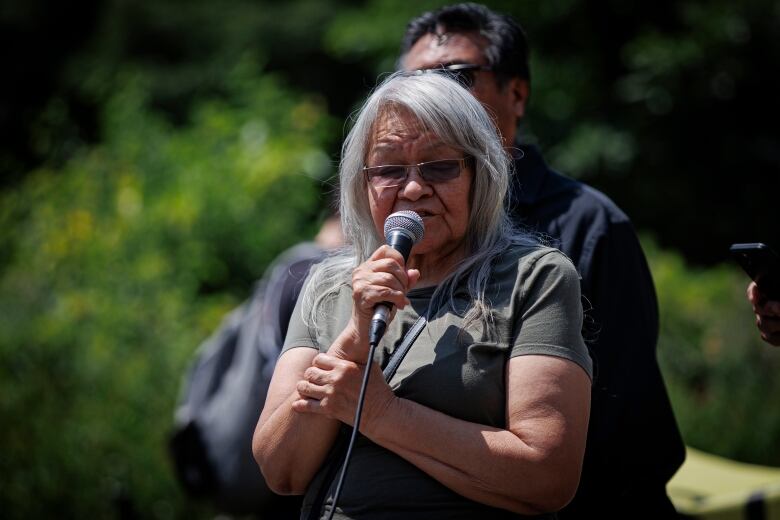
<point>403,229</point>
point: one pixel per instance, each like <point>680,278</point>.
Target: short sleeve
<point>549,317</point>
<point>299,333</point>
<point>334,313</point>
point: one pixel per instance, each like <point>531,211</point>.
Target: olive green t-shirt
<point>455,368</point>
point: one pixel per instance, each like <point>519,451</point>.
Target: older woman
<point>487,413</point>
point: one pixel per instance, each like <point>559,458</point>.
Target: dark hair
<point>507,49</point>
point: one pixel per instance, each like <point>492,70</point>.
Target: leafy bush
<point>115,267</point>
<point>721,376</point>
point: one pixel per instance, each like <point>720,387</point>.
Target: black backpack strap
<point>339,449</point>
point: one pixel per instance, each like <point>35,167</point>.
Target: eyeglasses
<point>392,175</point>
<point>463,73</point>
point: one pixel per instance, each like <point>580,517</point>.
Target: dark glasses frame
<point>432,172</point>
<point>463,73</point>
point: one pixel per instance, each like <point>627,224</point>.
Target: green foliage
<point>721,376</point>
<point>350,37</point>
<point>116,266</point>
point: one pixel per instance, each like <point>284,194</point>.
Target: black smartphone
<point>762,264</point>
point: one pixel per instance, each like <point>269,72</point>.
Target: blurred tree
<point>720,374</point>
<point>659,104</point>
<point>67,62</point>
<point>36,39</point>
<point>115,268</point>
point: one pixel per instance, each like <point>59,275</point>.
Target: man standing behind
<point>634,446</point>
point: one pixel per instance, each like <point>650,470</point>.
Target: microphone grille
<point>407,220</point>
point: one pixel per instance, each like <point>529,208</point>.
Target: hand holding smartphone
<point>762,264</point>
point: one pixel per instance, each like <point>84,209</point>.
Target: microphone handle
<point>379,322</point>
<point>382,311</point>
<point>399,240</point>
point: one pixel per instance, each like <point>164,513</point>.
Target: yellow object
<point>708,487</point>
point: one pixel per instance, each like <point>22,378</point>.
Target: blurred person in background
<point>634,445</point>
<point>226,387</point>
<point>487,413</point>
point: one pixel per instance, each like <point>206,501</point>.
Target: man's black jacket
<point>634,446</point>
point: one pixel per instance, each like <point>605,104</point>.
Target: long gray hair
<point>443,107</point>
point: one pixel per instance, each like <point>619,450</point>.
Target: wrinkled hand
<point>381,278</point>
<point>331,386</point>
<point>767,314</point>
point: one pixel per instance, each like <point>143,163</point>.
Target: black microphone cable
<point>402,230</point>
<point>355,427</point>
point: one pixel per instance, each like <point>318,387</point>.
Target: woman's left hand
<point>330,387</point>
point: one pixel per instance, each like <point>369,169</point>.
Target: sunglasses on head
<point>463,73</point>
<point>391,175</point>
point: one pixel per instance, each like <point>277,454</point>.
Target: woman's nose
<point>415,186</point>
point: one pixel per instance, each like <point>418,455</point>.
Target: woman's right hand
<point>381,278</point>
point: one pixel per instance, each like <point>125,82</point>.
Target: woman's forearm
<point>485,464</point>
<point>289,446</point>
<point>531,467</point>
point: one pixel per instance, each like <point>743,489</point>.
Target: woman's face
<point>444,206</point>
